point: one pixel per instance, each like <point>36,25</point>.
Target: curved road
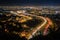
<point>34,31</point>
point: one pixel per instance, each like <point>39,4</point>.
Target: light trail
<point>47,26</point>
<point>38,28</point>
<point>34,31</point>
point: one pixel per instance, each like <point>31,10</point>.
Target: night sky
<point>29,2</point>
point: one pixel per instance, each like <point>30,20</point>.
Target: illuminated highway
<point>34,31</point>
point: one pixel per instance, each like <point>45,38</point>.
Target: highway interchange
<point>45,24</point>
